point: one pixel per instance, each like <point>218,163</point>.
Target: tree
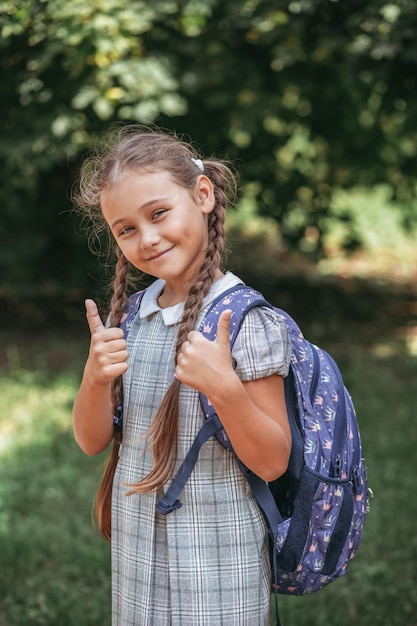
<point>308,96</point>
<point>66,69</point>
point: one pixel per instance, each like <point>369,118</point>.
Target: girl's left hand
<point>206,365</point>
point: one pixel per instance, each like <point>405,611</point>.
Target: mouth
<point>159,255</point>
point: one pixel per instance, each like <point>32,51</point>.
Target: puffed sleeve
<point>262,347</point>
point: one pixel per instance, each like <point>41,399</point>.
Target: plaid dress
<point>205,564</point>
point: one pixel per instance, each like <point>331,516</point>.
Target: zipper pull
<point>338,466</point>
<point>356,481</point>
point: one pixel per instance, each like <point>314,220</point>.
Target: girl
<point>206,563</point>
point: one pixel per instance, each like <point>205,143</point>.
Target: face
<point>160,227</point>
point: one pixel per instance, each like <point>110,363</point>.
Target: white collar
<point>172,314</point>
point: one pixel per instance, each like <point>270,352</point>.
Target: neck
<point>169,297</point>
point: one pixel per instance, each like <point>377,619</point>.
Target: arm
<point>255,418</point>
<point>107,359</point>
<point>253,413</point>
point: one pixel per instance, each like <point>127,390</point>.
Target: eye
<point>126,230</point>
<point>158,214</point>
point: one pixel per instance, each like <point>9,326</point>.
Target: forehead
<point>137,188</point>
<point>140,182</point>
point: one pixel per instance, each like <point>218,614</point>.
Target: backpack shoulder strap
<point>133,305</point>
<point>131,311</point>
<point>239,299</point>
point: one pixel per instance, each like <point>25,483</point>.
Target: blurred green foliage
<point>310,97</point>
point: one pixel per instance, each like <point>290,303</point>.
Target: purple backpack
<point>316,510</point>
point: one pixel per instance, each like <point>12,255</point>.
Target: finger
<point>117,357</point>
<point>185,345</point>
<point>93,318</point>
<point>116,345</point>
<point>223,327</point>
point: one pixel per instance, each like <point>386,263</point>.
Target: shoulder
<point>263,323</point>
<point>263,346</point>
<point>222,286</point>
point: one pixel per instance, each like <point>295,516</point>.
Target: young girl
<point>206,563</point>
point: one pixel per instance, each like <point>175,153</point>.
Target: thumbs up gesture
<point>108,355</point>
<point>203,364</point>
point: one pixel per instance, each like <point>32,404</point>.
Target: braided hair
<point>136,149</point>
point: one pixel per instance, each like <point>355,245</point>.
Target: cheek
<point>190,229</point>
<point>130,251</point>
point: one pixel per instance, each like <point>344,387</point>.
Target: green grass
<point>55,569</point>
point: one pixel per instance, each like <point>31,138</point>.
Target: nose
<point>150,237</point>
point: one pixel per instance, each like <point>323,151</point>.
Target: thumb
<point>93,317</point>
<point>223,327</point>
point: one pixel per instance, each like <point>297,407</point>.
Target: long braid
<point>206,277</point>
<point>102,502</point>
<point>212,260</point>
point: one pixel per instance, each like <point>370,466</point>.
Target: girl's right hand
<point>108,355</point>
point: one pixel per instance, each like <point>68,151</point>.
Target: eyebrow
<point>146,205</point>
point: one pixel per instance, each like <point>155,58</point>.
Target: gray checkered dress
<point>205,564</point>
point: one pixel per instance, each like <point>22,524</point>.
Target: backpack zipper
<point>354,478</point>
<point>316,373</point>
<point>340,430</point>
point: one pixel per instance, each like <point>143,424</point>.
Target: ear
<point>205,194</point>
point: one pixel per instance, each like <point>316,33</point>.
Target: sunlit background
<point>315,103</point>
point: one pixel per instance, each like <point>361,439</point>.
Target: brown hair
<point>139,148</point>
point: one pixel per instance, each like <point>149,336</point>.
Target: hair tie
<point>199,164</point>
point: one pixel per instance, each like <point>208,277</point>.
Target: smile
<point>159,255</point>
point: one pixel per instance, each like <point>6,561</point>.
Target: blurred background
<point>315,102</point>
